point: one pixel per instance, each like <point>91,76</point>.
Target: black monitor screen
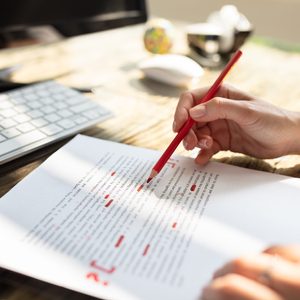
<point>112,13</point>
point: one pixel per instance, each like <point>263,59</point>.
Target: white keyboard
<point>34,116</point>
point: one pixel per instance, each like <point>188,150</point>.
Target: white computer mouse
<point>174,69</point>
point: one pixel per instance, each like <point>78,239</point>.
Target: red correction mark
<point>121,238</point>
<point>106,196</point>
<point>174,225</point>
<point>113,173</point>
<point>109,203</point>
<point>107,271</point>
<point>173,159</point>
<point>95,277</point>
<point>172,164</point>
<point>146,250</point>
<point>193,187</point>
<point>140,187</point>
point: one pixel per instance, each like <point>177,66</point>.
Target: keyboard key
<point>35,113</point>
<point>52,118</point>
<point>91,114</point>
<point>65,113</point>
<point>5,104</point>
<point>60,105</point>
<point>79,119</point>
<point>25,127</point>
<point>21,118</point>
<point>59,97</point>
<point>7,123</point>
<point>51,129</point>
<point>40,122</point>
<point>7,113</point>
<point>66,123</point>
<point>22,108</point>
<point>35,104</point>
<point>21,141</point>
<point>2,138</point>
<point>10,133</point>
<point>46,100</point>
<point>75,100</point>
<point>48,109</point>
<point>83,107</point>
<point>43,93</point>
<point>17,99</point>
<point>31,97</point>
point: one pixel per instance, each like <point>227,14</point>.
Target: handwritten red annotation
<point>174,225</point>
<point>193,187</point>
<point>102,269</point>
<point>173,165</point>
<point>121,238</point>
<point>94,276</point>
<point>140,187</point>
<point>146,250</point>
<point>109,203</point>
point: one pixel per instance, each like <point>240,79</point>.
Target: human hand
<point>271,275</point>
<point>236,121</point>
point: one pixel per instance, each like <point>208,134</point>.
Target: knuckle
<point>227,286</point>
<point>239,264</point>
<point>250,107</point>
<point>218,102</point>
<point>185,94</point>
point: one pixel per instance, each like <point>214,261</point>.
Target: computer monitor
<point>71,17</point>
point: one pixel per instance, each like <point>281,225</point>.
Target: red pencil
<point>190,122</point>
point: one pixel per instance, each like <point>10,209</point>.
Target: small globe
<point>159,35</point>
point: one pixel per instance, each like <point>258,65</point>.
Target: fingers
<point>198,138</point>
<point>217,108</point>
<point>225,91</point>
<point>190,141</point>
<point>205,154</point>
<point>278,274</point>
<point>241,112</point>
<point>189,99</point>
<point>186,101</point>
<point>291,253</point>
<point>237,287</point>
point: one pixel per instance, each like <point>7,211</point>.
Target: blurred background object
<point>159,36</point>
<point>19,19</point>
<point>224,32</point>
<point>278,19</point>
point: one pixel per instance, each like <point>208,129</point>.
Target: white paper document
<point>86,221</point>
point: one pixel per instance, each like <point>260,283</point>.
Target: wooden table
<point>143,109</point>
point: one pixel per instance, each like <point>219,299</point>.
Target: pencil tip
<point>152,175</point>
<point>149,179</point>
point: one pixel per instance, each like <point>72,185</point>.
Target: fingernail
<point>203,143</point>
<point>174,126</point>
<point>198,111</point>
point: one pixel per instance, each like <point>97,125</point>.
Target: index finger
<point>186,101</point>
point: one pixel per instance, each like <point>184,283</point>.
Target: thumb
<point>239,111</point>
